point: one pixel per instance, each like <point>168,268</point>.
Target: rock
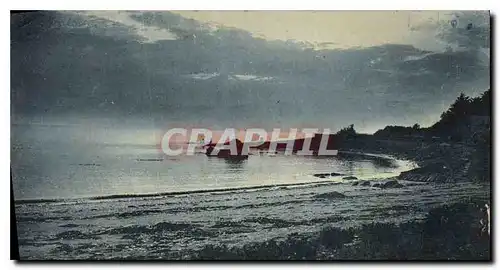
<point>350,178</point>
<point>443,179</point>
<point>376,185</point>
<point>365,183</point>
<point>331,195</point>
<point>355,183</point>
<point>324,175</point>
<point>435,172</point>
<point>391,184</point>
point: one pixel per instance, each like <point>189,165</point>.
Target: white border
<point>210,5</point>
<point>257,5</point>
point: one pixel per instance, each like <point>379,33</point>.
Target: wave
<point>176,193</point>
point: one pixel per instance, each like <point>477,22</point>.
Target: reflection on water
<point>349,165</point>
<point>384,163</point>
<point>235,164</point>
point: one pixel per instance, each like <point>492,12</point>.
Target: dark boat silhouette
<point>226,153</point>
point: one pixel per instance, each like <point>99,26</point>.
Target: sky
<point>340,29</point>
<point>318,29</point>
<point>245,69</point>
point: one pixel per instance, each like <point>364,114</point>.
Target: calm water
<point>64,171</point>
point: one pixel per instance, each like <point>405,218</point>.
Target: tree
<point>459,122</point>
<point>347,132</point>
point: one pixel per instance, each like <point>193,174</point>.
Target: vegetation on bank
<point>467,120</point>
<point>458,146</point>
<point>454,232</point>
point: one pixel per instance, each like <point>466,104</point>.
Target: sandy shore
<point>425,215</point>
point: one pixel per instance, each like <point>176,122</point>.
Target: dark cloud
<point>64,62</point>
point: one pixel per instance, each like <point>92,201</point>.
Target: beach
<point>183,225</point>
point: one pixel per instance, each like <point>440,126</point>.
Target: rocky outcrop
<point>391,184</point>
<point>227,153</point>
<point>365,184</point>
<point>331,195</point>
<point>324,175</point>
<point>437,172</point>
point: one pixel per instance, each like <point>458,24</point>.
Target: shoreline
<point>437,162</point>
<point>330,181</point>
<point>173,193</point>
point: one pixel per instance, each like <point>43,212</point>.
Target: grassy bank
<point>452,232</point>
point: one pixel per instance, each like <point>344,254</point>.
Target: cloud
<point>248,77</point>
<point>471,32</point>
<point>417,57</point>
<point>150,34</point>
<point>230,77</point>
<point>185,77</point>
<point>202,76</point>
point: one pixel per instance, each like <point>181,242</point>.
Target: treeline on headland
<point>466,120</point>
<point>459,144</point>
